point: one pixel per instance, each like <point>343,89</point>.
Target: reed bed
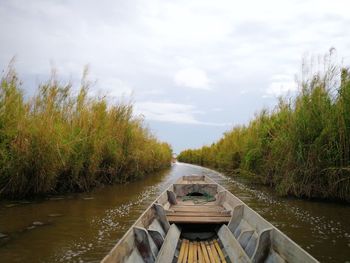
<point>301,147</point>
<point>59,142</point>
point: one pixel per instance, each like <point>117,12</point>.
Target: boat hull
<point>198,220</point>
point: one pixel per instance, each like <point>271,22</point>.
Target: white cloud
<point>171,112</point>
<point>280,85</point>
<point>192,78</point>
<point>147,46</point>
<point>111,87</point>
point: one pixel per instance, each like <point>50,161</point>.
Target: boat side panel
<point>255,220</point>
<point>233,249</point>
<point>147,218</point>
<point>135,257</point>
<point>123,250</point>
<point>288,249</point>
<point>232,201</point>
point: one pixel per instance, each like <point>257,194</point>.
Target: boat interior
<point>197,220</point>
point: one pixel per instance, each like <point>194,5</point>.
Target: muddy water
<point>84,227</point>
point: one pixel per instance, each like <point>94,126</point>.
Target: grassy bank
<point>60,142</point>
<point>301,148</point>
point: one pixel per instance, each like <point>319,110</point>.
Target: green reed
<point>301,147</point>
<point>60,142</point>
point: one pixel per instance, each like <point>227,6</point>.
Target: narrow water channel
<point>84,227</point>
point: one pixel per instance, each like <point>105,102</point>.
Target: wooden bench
<point>187,212</point>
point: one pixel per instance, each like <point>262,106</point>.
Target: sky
<point>192,68</point>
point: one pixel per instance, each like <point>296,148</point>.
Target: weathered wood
<point>143,245</point>
<point>236,218</point>
<point>184,259</point>
<point>157,238</point>
<point>214,252</point>
<point>190,253</point>
<point>190,208</point>
<point>205,253</point>
<point>156,226</point>
<point>262,249</point>
<point>255,220</point>
<point>231,201</point>
<point>193,178</point>
<point>157,233</point>
<point>242,227</point>
<point>162,216</point>
<point>171,197</point>
<point>195,254</point>
<point>199,213</point>
<point>221,254</point>
<point>274,257</point>
<point>244,224</point>
<point>210,253</point>
<point>163,198</point>
<point>251,246</point>
<point>135,257</point>
<point>191,203</point>
<point>244,237</point>
<point>221,197</point>
<point>233,249</point>
<point>288,249</point>
<point>182,252</point>
<point>167,251</point>
<point>200,254</point>
<point>147,218</point>
<point>122,250</point>
<point>198,219</point>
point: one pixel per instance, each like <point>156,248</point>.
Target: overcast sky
<point>193,68</point>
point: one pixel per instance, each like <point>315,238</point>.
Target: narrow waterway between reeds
<point>84,227</point>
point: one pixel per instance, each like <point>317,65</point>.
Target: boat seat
<point>169,245</point>
<point>198,215</point>
<point>189,212</point>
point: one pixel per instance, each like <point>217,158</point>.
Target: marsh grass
<point>301,148</point>
<point>60,142</point>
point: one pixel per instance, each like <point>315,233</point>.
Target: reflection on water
<point>84,227</point>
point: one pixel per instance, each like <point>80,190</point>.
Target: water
<point>84,227</point>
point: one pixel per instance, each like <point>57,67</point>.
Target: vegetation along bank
<point>301,147</point>
<point>58,142</point>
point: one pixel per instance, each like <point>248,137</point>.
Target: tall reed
<point>301,148</point>
<point>60,142</point>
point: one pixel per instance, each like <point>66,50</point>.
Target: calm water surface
<point>84,227</point>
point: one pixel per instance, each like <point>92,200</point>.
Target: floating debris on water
<point>55,215</point>
<point>11,205</point>
<point>56,198</point>
<point>2,235</point>
<point>38,223</point>
<point>88,198</point>
<point>26,202</point>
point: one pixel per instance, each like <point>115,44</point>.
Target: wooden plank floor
<point>201,252</point>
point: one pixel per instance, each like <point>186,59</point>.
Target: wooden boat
<point>197,220</point>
